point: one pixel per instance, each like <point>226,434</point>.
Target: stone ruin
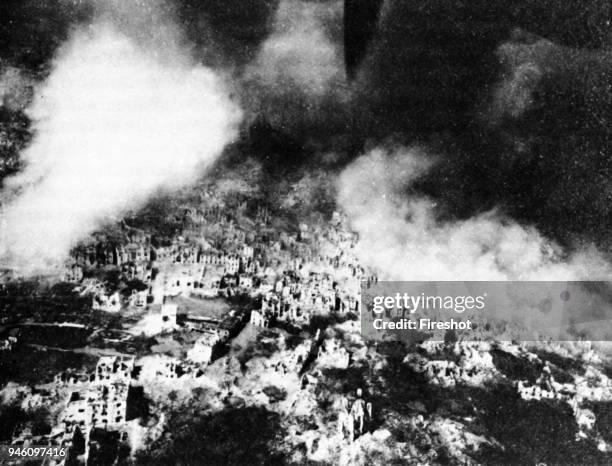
<point>114,369</point>
<point>168,315</point>
<point>203,347</point>
<point>332,354</point>
<point>353,422</point>
<point>259,319</point>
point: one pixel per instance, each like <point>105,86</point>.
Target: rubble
<point>284,284</point>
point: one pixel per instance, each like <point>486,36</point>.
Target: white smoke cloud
<point>116,120</point>
<point>299,54</point>
<point>15,86</point>
<point>525,62</point>
<point>401,239</point>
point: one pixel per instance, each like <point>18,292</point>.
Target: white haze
<point>14,88</point>
<point>401,239</point>
<point>299,54</point>
<point>115,121</point>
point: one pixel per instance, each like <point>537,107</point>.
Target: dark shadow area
<point>529,432</point>
<point>13,418</point>
<point>106,447</point>
<point>516,368</point>
<point>32,366</point>
<point>229,437</point>
<point>137,403</point>
<point>603,413</point>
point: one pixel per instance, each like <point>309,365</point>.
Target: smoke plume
<point>298,53</point>
<point>401,238</point>
<point>14,88</point>
<point>295,84</point>
<point>122,115</point>
<point>514,96</point>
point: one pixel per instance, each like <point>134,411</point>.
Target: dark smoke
<point>512,96</point>
<point>31,30</point>
<point>227,31</point>
<point>515,97</point>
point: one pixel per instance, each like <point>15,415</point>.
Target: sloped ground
<point>260,416</point>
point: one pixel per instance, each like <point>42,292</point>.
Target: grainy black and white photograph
<point>305,232</point>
